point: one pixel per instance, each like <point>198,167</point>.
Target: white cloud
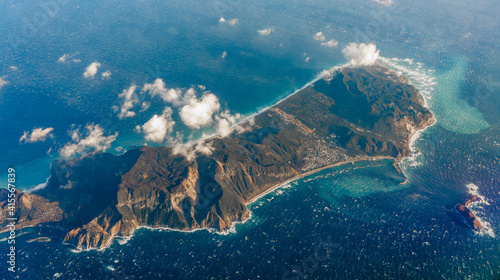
<point>66,57</point>
<point>224,55</point>
<point>91,70</point>
<point>385,2</point>
<point>223,127</point>
<point>63,58</point>
<point>95,141</point>
<point>331,44</point>
<point>38,134</point>
<point>265,32</point>
<point>198,112</point>
<point>195,112</point>
<point>3,82</point>
<point>232,22</point>
<point>191,150</point>
<point>307,59</point>
<point>173,96</point>
<point>319,36</point>
<point>226,123</point>
<point>127,102</point>
<point>361,54</point>
<point>157,128</point>
<point>204,147</point>
<point>144,106</point>
<point>106,75</point>
<point>14,68</point>
<point>326,75</point>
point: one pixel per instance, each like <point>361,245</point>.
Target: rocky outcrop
<point>361,112</point>
<point>470,218</point>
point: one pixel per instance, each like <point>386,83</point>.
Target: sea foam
<point>477,208</point>
<point>422,79</point>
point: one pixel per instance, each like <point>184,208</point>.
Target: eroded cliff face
<point>166,190</point>
<point>360,112</point>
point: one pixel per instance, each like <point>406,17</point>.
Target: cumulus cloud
<point>106,75</point>
<point>265,32</point>
<point>3,82</point>
<point>195,112</point>
<point>385,2</point>
<point>95,141</point>
<point>128,99</point>
<point>223,127</point>
<point>91,70</point>
<point>144,106</point>
<point>158,127</point>
<point>361,54</point>
<point>63,58</point>
<point>198,112</point>
<point>38,134</point>
<point>226,123</point>
<point>331,44</point>
<point>232,22</point>
<point>224,55</point>
<point>191,150</point>
<point>307,59</point>
<point>14,68</point>
<point>158,88</point>
<point>326,75</point>
<point>319,36</point>
<point>67,57</point>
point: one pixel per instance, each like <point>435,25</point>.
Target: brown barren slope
<point>361,113</point>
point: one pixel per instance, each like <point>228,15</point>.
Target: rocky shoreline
<point>366,112</point>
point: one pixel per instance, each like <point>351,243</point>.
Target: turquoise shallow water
<point>361,222</point>
<point>453,113</point>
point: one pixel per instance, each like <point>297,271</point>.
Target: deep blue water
<point>339,224</point>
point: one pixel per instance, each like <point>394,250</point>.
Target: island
<point>470,219</point>
<point>357,113</point>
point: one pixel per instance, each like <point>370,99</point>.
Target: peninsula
<point>357,113</point>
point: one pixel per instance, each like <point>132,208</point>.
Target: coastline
<point>320,76</point>
<point>314,171</point>
<point>250,117</point>
<point>231,229</point>
<point>414,153</point>
<point>412,158</point>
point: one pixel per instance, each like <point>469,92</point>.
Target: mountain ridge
<point>360,113</point>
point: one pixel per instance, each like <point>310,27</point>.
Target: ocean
<point>348,222</point>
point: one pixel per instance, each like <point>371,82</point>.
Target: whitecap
<point>110,268</point>
<point>477,209</point>
<point>422,79</point>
